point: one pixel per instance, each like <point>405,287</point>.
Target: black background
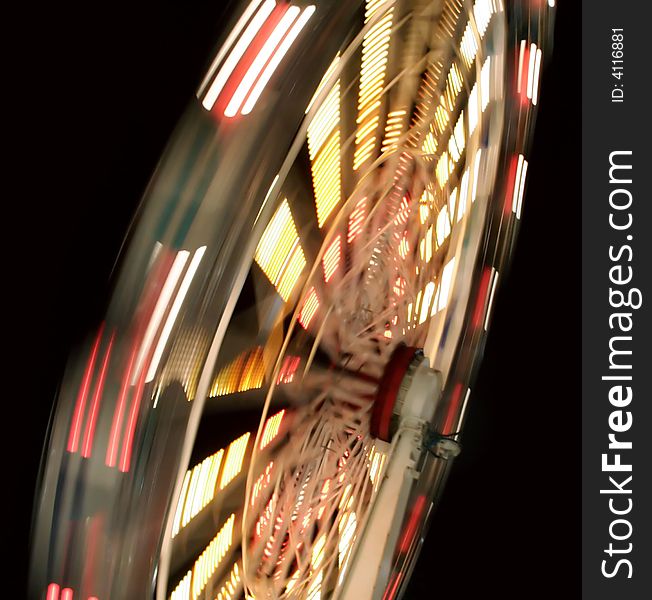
<point>95,91</point>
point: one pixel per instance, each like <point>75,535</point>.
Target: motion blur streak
<point>159,310</point>
<point>112,449</point>
<point>89,434</point>
<point>453,408</point>
<point>53,592</point>
<point>174,312</point>
<point>494,281</point>
<point>482,297</point>
<point>125,457</point>
<point>233,36</point>
<point>411,527</point>
<point>276,59</point>
<point>260,61</point>
<point>66,594</point>
<point>75,427</point>
<point>236,54</point>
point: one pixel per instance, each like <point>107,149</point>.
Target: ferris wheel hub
<point>407,388</point>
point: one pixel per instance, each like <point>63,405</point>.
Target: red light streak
<point>453,409</point>
<point>75,427</point>
<point>125,457</point>
<point>112,449</point>
<point>251,53</point>
<point>89,434</point>
<point>478,311</point>
<point>413,521</point>
<point>288,369</point>
<point>66,594</point>
<point>391,590</point>
<point>523,66</point>
<point>264,56</point>
<point>53,592</point>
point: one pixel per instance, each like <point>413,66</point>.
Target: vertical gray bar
<point>616,243</point>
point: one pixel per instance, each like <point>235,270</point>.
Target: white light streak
<point>236,54</point>
<point>260,61</point>
<point>276,59</point>
<point>174,312</point>
<point>159,310</point>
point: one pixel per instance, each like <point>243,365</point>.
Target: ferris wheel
<point>272,404</point>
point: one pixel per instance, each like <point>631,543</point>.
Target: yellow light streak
<point>279,253</point>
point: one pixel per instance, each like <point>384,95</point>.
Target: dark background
<point>95,92</point>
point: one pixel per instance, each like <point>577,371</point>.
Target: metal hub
<point>398,378</point>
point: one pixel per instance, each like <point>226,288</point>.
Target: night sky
<point>97,94</point>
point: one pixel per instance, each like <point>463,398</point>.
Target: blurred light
<point>399,286</point>
<point>159,310</point>
<point>239,49</point>
<point>279,253</point>
<point>393,129</point>
<point>331,259</point>
<point>309,308</point>
<point>472,106</point>
<point>476,174</point>
<point>403,247</point>
<point>125,456</point>
<point>324,81</point>
<point>326,118</point>
<point>530,70</point>
<point>234,459</point>
<point>288,369</point>
<point>271,429</point>
<point>375,52</point>
<point>198,490</point>
<point>346,527</point>
<point>412,524</point>
<point>494,281</point>
<point>66,594</point>
<point>463,411</point>
<point>442,227</point>
<point>324,149</point>
<point>428,295</point>
<point>174,312</point>
<point>537,67</point>
<point>378,459</point>
<point>182,591</point>
<point>326,177</point>
<point>246,372</point>
<point>112,448</point>
<point>261,483</point>
<point>519,186</point>
<point>452,410</point>
<point>75,426</point>
<point>521,63</point>
<point>483,289</point>
<point>356,220</point>
<point>446,280</point>
<point>53,592</point>
<point>231,586</point>
<point>192,585</point>
<point>443,169</point>
<point>261,59</point>
<point>485,83</point>
<point>89,434</point>
<point>276,59</point>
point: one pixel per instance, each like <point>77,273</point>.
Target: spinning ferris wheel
<point>274,399</point>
